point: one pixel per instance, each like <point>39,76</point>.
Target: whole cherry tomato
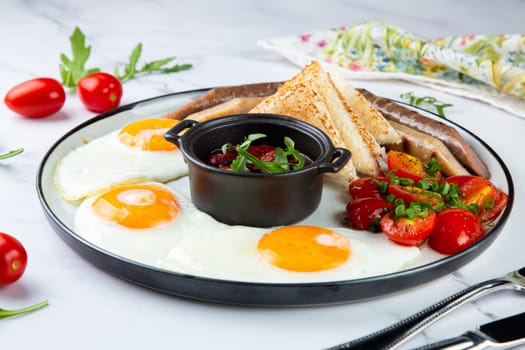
<point>456,229</point>
<point>36,98</point>
<point>100,92</point>
<point>365,213</point>
<point>410,232</point>
<point>13,259</point>
<point>367,187</point>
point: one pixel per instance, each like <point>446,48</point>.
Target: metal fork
<point>393,336</point>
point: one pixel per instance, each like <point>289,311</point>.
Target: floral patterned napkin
<point>490,68</point>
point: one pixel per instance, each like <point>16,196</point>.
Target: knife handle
<point>391,337</point>
<point>469,340</point>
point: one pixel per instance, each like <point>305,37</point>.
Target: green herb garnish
<point>382,186</point>
<point>9,313</point>
<point>73,69</point>
<point>413,210</point>
<point>489,204</point>
<point>156,66</point>
<point>11,153</point>
<point>426,102</point>
<point>376,226</point>
<point>432,167</point>
<point>278,165</point>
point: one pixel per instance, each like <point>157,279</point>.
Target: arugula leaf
<point>11,153</point>
<point>291,151</point>
<point>289,143</point>
<point>73,69</point>
<point>9,313</point>
<point>156,66</point>
<point>250,138</point>
<point>224,148</point>
<point>426,102</point>
<point>278,165</point>
<point>281,157</point>
<point>239,165</point>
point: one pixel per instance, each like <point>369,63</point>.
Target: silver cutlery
<point>393,336</point>
<point>504,333</point>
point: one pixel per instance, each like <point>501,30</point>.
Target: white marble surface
<point>89,308</point>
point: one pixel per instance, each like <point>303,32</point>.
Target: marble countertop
<point>91,309</point>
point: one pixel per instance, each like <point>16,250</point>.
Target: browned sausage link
<point>447,134</point>
<point>219,95</point>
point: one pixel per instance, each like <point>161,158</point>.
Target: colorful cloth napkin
<point>490,68</point>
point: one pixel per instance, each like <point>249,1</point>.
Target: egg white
<point>145,245</point>
<point>104,162</point>
<point>231,254</point>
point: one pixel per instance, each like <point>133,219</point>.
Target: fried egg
<point>137,152</point>
<point>140,222</point>
<point>289,254</point>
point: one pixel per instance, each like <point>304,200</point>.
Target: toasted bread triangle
<point>312,97</point>
<point>372,119</point>
<point>302,99</point>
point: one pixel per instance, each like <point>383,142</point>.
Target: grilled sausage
<point>447,134</point>
<point>425,147</point>
<point>219,95</point>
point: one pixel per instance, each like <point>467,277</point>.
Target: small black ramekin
<point>256,199</point>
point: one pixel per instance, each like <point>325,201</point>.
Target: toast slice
<point>312,97</point>
<point>372,119</point>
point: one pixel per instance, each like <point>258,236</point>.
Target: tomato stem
<point>25,310</point>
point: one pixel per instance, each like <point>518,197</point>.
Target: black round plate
<point>59,215</point>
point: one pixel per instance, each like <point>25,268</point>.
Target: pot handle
<point>172,135</point>
<point>340,156</point>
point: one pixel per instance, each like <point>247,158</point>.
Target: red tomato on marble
<point>100,92</point>
<point>36,98</point>
<point>13,259</point>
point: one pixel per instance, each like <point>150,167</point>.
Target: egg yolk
<point>148,134</point>
<point>304,248</point>
<point>137,206</point>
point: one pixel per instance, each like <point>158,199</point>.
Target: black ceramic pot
<point>256,199</point>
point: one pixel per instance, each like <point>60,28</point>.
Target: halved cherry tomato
<point>407,166</point>
<point>366,187</point>
<point>456,229</point>
<point>36,98</point>
<point>412,194</point>
<point>364,213</point>
<point>13,259</point>
<point>481,192</point>
<point>500,203</point>
<point>100,92</point>
<point>459,179</point>
<point>409,232</point>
